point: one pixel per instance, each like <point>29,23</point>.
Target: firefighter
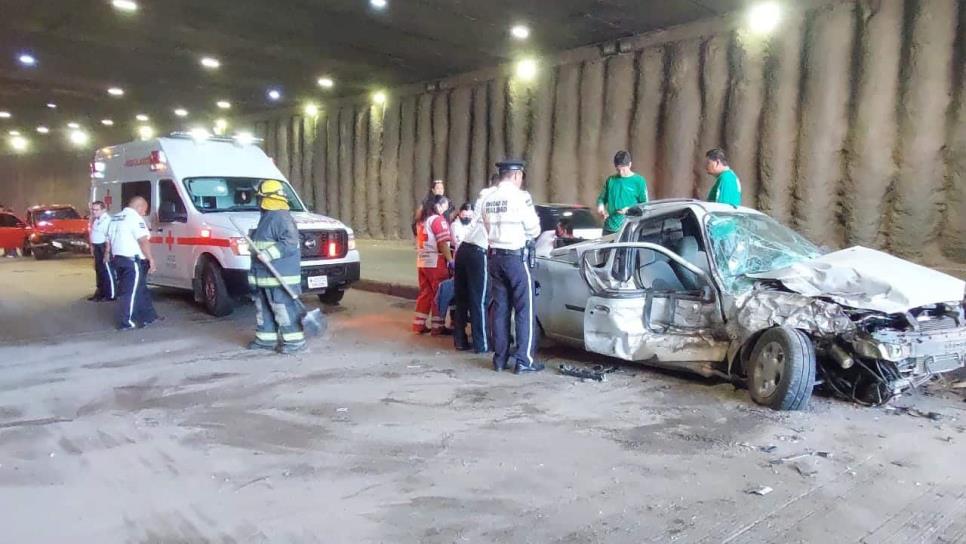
<point>434,261</point>
<point>511,224</point>
<point>277,317</point>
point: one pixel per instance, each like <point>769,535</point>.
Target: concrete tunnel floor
<point>176,433</point>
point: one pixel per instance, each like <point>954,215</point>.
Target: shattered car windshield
<point>745,244</point>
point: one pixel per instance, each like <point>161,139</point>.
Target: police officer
<point>129,251</point>
<point>471,288</point>
<point>278,323</point>
<point>100,223</point>
<point>511,222</point>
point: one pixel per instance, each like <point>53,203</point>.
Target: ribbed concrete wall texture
<point>848,124</point>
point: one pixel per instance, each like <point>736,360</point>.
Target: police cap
<point>511,165</point>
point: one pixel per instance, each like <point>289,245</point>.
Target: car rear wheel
<point>782,370</point>
<point>42,253</point>
<point>214,291</point>
<point>332,296</point>
<point>25,250</point>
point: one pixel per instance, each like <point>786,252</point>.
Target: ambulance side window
<point>132,189</point>
<point>169,197</point>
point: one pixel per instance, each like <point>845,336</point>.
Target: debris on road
<point>761,491</point>
<point>805,467</point>
<point>803,455</point>
<point>597,373</point>
<point>914,412</point>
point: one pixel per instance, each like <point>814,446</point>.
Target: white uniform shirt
<point>545,242</point>
<point>126,229</point>
<point>458,232</point>
<point>476,230</point>
<point>510,217</point>
<point>99,228</point>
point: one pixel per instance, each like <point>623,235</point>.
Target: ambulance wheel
<point>214,292</point>
<point>332,296</point>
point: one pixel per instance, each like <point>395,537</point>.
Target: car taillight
<point>352,241</point>
<point>333,249</point>
<point>239,246</point>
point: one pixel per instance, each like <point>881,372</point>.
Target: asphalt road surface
<point>176,433</point>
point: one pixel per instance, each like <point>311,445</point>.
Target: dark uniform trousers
<point>277,318</point>
<point>471,290</point>
<point>134,307</point>
<point>512,288</point>
<point>103,274</point>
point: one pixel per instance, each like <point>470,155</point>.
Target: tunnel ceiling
<point>84,47</point>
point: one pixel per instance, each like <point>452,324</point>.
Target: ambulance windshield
<point>219,194</point>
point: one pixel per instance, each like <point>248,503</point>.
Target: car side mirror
<point>168,213</point>
<point>21,225</point>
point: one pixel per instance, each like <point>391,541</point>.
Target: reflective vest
<point>427,246</point>
<point>277,237</point>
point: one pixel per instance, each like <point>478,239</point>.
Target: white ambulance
<point>198,189</point>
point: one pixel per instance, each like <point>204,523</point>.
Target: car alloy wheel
<point>768,373</point>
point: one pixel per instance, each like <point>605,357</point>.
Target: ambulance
<point>201,193</point>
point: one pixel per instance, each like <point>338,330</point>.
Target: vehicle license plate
<point>318,282</point>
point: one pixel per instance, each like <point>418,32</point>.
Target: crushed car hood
<point>867,279</point>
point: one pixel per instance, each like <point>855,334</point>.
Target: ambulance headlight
<point>240,247</point>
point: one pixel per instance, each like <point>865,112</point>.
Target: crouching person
<point>276,245</point>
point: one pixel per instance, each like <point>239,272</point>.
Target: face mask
<point>465,220</point>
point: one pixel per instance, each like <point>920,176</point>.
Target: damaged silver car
<point>732,293</point>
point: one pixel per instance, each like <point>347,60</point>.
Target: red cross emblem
<point>169,240</point>
<point>108,199</point>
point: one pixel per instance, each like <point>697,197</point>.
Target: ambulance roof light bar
<point>237,139</point>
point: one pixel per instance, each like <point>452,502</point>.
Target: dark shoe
<point>464,347</point>
<point>286,349</point>
<point>533,367</point>
<point>255,344</point>
<point>106,299</point>
<point>125,328</point>
<point>158,319</point>
<point>498,366</point>
<point>95,298</point>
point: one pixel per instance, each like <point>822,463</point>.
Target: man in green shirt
<point>621,191</point>
<point>727,187</point>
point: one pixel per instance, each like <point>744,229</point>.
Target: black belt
<point>473,247</point>
<point>513,252</point>
<point>133,259</point>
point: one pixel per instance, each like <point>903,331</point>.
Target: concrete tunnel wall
<point>846,124</point>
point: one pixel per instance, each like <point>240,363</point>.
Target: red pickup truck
<point>55,229</point>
